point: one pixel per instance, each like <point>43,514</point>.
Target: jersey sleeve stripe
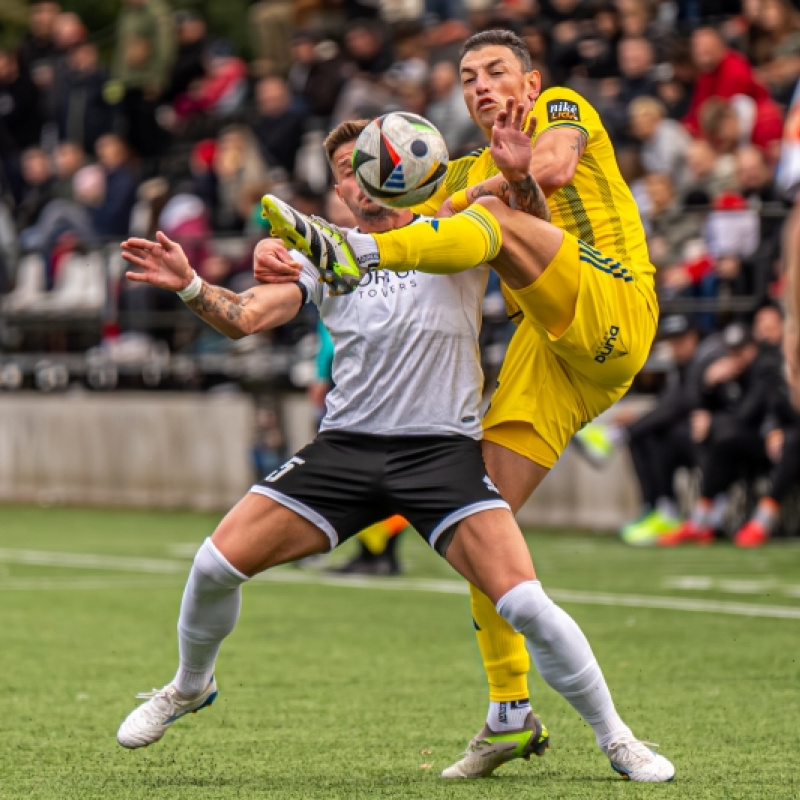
<point>568,125</point>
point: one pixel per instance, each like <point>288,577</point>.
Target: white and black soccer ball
<point>400,159</point>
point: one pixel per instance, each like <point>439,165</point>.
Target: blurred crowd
<point>171,128</point>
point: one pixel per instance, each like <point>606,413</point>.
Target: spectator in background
<point>82,113</point>
<point>448,112</point>
<point>664,142</point>
<point>726,427</point>
<point>368,47</point>
<point>111,218</point>
<point>776,52</point>
<point>279,124</point>
<point>316,76</point>
<point>189,66</point>
<point>669,228</point>
<point>235,164</point>
<point>781,441</point>
<point>707,175</point>
<point>141,70</point>
<point>636,80</point>
<point>222,89</point>
<point>660,441</point>
<point>38,187</point>
<point>68,158</point>
<point>724,73</point>
<point>20,119</point>
<point>271,24</point>
<point>37,52</point>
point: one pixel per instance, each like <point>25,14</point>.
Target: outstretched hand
<point>161,263</point>
<point>511,146</point>
<point>272,263</point>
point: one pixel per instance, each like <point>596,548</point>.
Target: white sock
<point>563,657</point>
<point>508,715</point>
<point>209,611</point>
<point>364,248</point>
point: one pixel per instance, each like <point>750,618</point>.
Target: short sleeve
<point>559,107</point>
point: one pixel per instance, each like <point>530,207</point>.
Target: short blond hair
<point>645,104</point>
<point>343,133</point>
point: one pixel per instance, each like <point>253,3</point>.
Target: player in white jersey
<point>424,463</point>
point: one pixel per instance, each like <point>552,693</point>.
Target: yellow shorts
<point>551,384</point>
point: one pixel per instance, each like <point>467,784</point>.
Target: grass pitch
<point>368,691</point>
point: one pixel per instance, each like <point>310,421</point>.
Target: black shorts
<point>344,482</point>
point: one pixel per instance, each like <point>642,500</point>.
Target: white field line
<point>149,565</point>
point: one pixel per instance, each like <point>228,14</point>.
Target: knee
<point>523,605</point>
<point>494,205</point>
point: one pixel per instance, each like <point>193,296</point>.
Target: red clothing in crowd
<point>734,75</point>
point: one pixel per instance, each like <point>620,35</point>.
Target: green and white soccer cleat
<point>324,244</point>
<point>148,722</point>
<point>490,750</point>
<point>635,761</point>
<point>647,530</point>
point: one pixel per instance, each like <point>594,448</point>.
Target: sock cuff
<point>210,560</point>
<point>489,225</point>
<point>523,604</point>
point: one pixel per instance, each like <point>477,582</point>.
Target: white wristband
<point>192,290</point>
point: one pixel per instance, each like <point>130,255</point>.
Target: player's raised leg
<point>557,645</point>
<point>256,534</point>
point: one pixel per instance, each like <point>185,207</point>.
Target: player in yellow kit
<point>559,225</point>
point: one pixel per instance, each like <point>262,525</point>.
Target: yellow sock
<point>442,246</point>
<point>376,536</point>
<point>505,657</point>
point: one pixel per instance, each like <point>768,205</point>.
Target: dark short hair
<point>502,38</point>
<point>343,133</point>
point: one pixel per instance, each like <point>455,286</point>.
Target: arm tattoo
<point>215,304</point>
<point>527,196</point>
<point>501,191</point>
<point>580,143</point>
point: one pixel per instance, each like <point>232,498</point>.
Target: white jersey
<point>406,357</point>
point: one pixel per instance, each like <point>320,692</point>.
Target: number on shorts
<point>277,474</point>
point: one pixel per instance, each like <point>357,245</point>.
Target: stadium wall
<point>194,451</point>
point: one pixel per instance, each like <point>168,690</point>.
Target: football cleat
<point>595,444</point>
<point>324,244</point>
<point>635,761</point>
<point>490,750</point>
<point>148,722</point>
<point>688,533</point>
<point>649,529</point>
<point>751,534</point>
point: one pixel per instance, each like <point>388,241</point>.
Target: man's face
<point>361,205</point>
<point>768,326</point>
<point>707,50</point>
<point>489,76</point>
<point>683,347</point>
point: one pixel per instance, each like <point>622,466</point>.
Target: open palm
<point>161,263</point>
<point>511,146</point>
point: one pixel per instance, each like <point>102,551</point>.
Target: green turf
<point>340,692</point>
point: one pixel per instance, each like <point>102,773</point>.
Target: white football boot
<point>149,722</point>
<point>635,761</point>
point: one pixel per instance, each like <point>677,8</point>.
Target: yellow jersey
<point>596,206</point>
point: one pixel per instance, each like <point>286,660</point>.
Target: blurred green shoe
<point>647,530</point>
<point>594,444</point>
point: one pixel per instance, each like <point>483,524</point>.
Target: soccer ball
<point>400,159</point>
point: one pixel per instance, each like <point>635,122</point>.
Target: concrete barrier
<point>167,450</point>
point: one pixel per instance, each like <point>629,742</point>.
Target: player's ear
<point>534,81</point>
<point>338,191</point>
